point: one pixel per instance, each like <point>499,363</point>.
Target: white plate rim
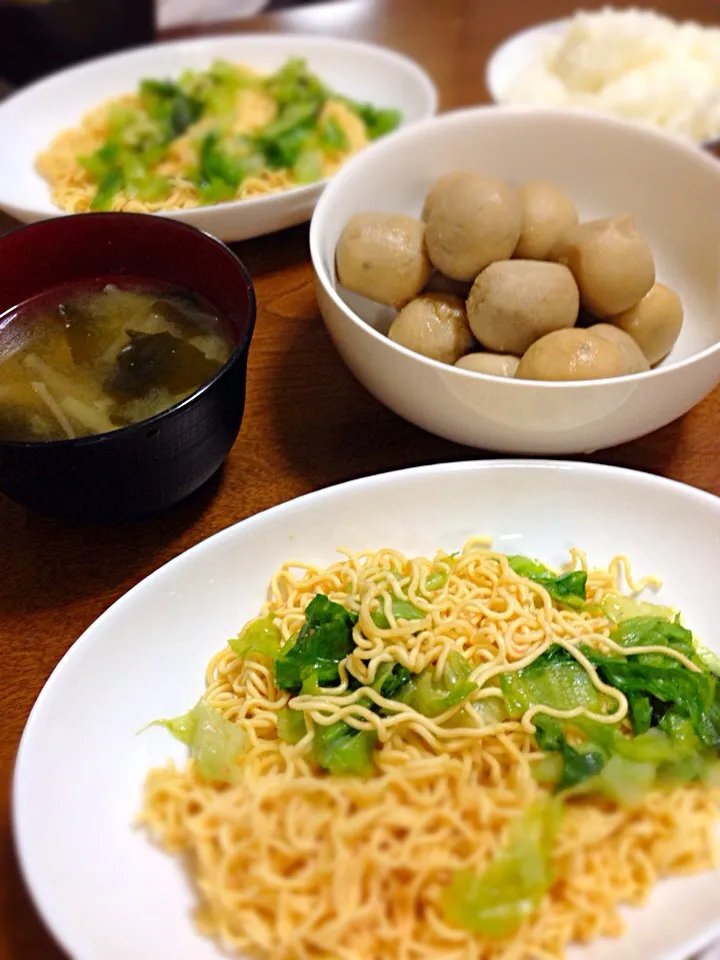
<point>56,924</point>
<point>84,71</point>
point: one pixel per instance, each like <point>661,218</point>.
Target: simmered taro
<point>92,358</point>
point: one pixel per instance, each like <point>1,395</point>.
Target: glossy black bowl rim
<point>141,426</point>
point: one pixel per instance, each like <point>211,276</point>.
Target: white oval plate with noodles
<point>37,114</point>
<point>103,889</point>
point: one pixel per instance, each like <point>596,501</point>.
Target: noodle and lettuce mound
<point>215,135</point>
<point>466,757</point>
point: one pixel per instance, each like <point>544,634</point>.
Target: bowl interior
<point>608,167</point>
<point>64,250</point>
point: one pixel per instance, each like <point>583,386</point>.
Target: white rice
<point>629,63</point>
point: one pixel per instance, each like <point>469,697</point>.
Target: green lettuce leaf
<point>496,902</point>
<point>293,83</point>
<point>402,610</point>
<point>169,106</point>
<point>308,166</point>
<point>323,641</point>
<point>618,608</point>
<point>291,725</point>
<point>223,164</point>
<point>391,681</point>
<point>258,637</point>
<point>565,588</point>
<point>579,763</point>
<point>554,680</point>
<point>378,121</point>
<point>216,744</point>
<point>332,136</point>
<point>430,696</point>
<point>675,711</point>
<point>342,750</point>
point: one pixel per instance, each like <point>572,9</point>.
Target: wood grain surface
<point>308,424</point>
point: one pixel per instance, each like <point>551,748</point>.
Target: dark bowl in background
<point>39,38</point>
<point>146,467</point>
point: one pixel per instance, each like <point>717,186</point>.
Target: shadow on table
<point>316,418</point>
<point>655,453</point>
<point>330,428</point>
<point>279,252</point>
<point>55,560</point>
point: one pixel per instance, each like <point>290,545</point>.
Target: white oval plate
<point>359,70</point>
<point>104,891</point>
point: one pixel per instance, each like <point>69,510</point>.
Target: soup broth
<point>91,358</point>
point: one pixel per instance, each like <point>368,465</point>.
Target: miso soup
<point>93,357</point>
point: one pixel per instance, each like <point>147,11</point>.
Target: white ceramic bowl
<point>512,56</point>
<point>514,53</point>
<point>608,167</point>
<point>109,894</point>
<point>35,115</point>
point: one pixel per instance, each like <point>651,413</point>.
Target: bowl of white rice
<point>632,64</point>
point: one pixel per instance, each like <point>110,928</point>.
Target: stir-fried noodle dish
<point>225,133</point>
<point>470,757</point>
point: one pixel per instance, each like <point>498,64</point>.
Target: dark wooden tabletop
<point>308,424</point>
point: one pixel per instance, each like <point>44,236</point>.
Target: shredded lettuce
<point>390,680</point>
<point>431,696</point>
<point>378,122</point>
<point>169,106</point>
<point>496,902</point>
<point>217,88</point>
<point>555,680</point>
<point>332,136</point>
<point>565,588</point>
<point>401,610</point>
<point>291,725</point>
<point>694,695</point>
<point>216,744</point>
<point>223,164</point>
<point>674,712</point>
<point>626,781</point>
<point>491,710</point>
<point>709,659</point>
<point>258,637</point>
<point>607,761</point>
<point>293,83</point>
<point>438,578</point>
<point>342,750</point>
<point>618,608</point>
<point>308,167</point>
<point>579,763</point>
<point>326,638</point>
<point>640,711</point>
<point>137,141</point>
<point>298,137</point>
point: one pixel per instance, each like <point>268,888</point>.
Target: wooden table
<point>308,424</point>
